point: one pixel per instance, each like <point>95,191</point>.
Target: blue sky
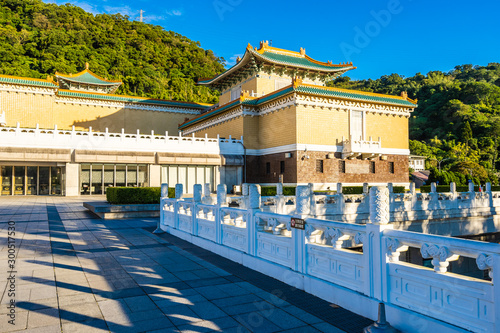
<point>379,37</point>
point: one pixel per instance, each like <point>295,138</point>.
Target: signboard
<point>298,223</point>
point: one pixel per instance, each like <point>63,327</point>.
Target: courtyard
<point>75,273</point>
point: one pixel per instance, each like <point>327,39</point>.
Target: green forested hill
<point>37,39</point>
<point>457,120</point>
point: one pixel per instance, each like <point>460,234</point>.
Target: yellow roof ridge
<point>361,92</point>
<point>86,70</point>
<point>48,79</point>
<point>128,96</point>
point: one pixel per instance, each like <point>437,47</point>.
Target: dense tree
<point>38,39</point>
<point>457,120</point>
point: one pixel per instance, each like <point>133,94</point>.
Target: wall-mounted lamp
<point>305,156</point>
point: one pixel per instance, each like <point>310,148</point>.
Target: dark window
<point>341,166</point>
<point>391,167</point>
<point>268,167</point>
<point>372,167</point>
<point>319,166</point>
<point>282,167</point>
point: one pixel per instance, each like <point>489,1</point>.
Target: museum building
<point>276,120</point>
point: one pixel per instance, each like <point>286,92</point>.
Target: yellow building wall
<point>249,85</point>
<point>233,127</point>
<point>276,129</point>
<point>321,126</point>
<point>31,109</point>
<point>393,130</point>
<point>27,108</point>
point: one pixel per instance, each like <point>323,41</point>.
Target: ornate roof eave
<point>74,78</point>
<point>252,54</point>
<point>18,80</point>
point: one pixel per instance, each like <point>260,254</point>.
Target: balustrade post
<point>489,193</point>
<point>454,194</point>
<point>207,189</point>
<point>312,200</point>
<point>434,197</point>
<point>302,211</point>
<point>244,194</point>
<point>374,248</point>
<point>163,196</point>
<point>280,199</point>
<point>365,189</point>
<point>197,196</point>
<point>179,192</point>
<point>254,204</point>
<point>340,199</point>
<point>221,202</point>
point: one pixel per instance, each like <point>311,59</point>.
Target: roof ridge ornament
<point>87,66</point>
<point>302,51</point>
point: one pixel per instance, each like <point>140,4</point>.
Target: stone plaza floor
<point>75,273</point>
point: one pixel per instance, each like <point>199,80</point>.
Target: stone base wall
<point>304,167</point>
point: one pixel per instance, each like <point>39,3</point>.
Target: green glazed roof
<point>355,95</point>
<point>129,99</point>
<point>87,78</point>
<point>27,81</point>
<point>298,61</point>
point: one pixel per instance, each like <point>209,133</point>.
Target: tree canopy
<point>457,121</point>
<point>37,39</point>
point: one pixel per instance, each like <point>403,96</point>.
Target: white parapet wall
<point>105,141</point>
<point>320,258</point>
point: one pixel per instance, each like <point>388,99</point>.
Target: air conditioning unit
<point>288,155</point>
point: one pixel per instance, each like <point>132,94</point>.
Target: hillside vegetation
<point>457,121</point>
<point>38,39</point>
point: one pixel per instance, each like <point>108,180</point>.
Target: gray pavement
<point>75,273</point>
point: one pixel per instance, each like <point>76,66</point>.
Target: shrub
<point>135,195</point>
<point>446,188</point>
<point>270,191</point>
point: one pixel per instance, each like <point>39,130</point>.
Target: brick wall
<point>299,169</point>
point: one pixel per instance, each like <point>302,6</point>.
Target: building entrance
<point>31,180</point>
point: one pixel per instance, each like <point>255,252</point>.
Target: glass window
<point>131,175</point>
<point>282,167</point>
<point>109,176</point>
<point>235,93</point>
<point>200,175</point>
<point>319,166</point>
<point>391,167</point>
<point>357,125</point>
<point>191,179</point>
<point>85,179</point>
<point>143,175</point>
<point>268,168</point>
<point>342,166</point>
<point>55,180</point>
<point>121,172</point>
<point>372,167</point>
<point>19,180</point>
<point>182,176</point>
<point>209,176</point>
<point>6,180</point>
<point>43,180</point>
<point>31,179</point>
<point>96,187</point>
<point>164,174</point>
<point>172,176</point>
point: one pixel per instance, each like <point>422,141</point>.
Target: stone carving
<point>254,196</point>
<point>336,236</point>
<point>394,248</point>
<point>179,191</point>
<point>197,193</point>
<point>379,205</point>
<point>164,190</point>
<point>359,238</point>
<point>222,194</point>
<point>485,261</point>
<point>441,256</point>
<point>303,204</point>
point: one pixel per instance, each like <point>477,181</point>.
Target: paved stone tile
<point>81,274</point>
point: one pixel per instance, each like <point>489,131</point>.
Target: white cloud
<point>124,10</point>
<point>174,12</point>
<point>232,60</point>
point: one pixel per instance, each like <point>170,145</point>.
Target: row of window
<point>31,180</point>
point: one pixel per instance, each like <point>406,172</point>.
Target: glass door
<point>19,180</point>
<point>43,180</point>
<point>121,173</point>
<point>6,180</point>
<point>55,180</point>
<point>85,179</point>
<point>109,176</point>
<point>31,180</point>
<point>97,179</point>
<point>132,175</point>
